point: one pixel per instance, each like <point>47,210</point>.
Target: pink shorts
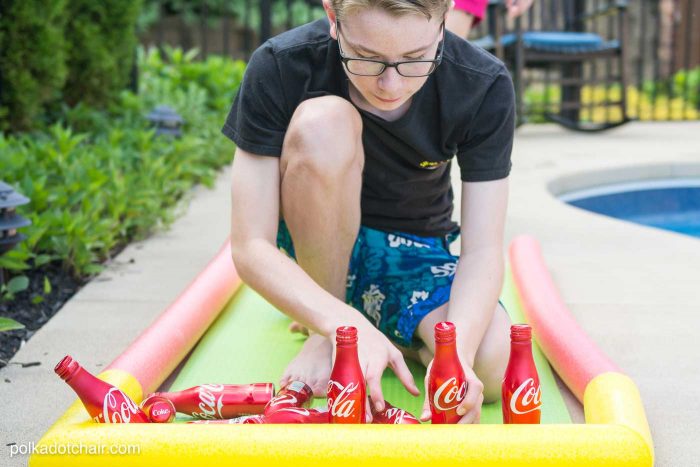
<point>476,8</point>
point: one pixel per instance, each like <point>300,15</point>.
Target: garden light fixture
<point>10,221</point>
<point>166,121</point>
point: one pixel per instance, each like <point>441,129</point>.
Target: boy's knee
<point>325,133</point>
<point>326,113</point>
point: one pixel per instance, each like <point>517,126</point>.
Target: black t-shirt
<point>465,109</point>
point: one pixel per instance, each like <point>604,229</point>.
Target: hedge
<point>62,51</point>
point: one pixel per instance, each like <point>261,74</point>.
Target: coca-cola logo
<point>117,407</point>
<point>342,406</point>
<point>158,412</point>
<point>296,410</point>
<point>449,395</point>
<point>210,404</point>
<point>527,398</point>
<point>396,412</point>
<point>284,399</point>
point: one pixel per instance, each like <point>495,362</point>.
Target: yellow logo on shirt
<point>430,165</point>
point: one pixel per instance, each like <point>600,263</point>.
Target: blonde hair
<point>427,8</point>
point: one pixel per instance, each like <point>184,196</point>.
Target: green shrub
<point>192,11</point>
<point>676,98</point>
<point>32,60</point>
<point>100,43</point>
<point>687,83</point>
<point>101,178</point>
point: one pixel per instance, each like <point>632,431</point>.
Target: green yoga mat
<point>249,342</point>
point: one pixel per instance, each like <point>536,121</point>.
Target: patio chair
<point>568,52</point>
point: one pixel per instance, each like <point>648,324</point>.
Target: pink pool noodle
<point>574,356</point>
<point>161,347</point>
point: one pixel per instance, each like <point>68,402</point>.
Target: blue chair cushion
<point>553,41</point>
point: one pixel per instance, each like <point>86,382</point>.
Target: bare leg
<point>459,22</point>
<point>321,173</point>
<point>492,356</point>
<point>321,165</point>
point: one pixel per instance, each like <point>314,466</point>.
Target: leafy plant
<point>15,285</point>
<point>32,55</point>
<point>100,43</point>
<point>674,99</point>
<point>243,12</point>
<point>100,178</point>
<point>9,324</point>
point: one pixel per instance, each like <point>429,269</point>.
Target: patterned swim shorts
<point>395,279</point>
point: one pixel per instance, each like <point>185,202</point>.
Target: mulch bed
<point>35,315</point>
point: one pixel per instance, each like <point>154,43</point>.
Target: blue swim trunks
<point>395,279</point>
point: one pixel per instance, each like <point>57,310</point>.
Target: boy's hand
<point>517,7</point>
<point>376,353</point>
<point>470,407</point>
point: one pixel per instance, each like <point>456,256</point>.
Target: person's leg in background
<point>464,15</point>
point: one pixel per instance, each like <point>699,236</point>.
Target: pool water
<point>666,204</point>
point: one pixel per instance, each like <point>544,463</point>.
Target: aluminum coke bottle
<point>220,401</point>
<point>521,394</point>
<point>105,403</point>
<point>346,389</point>
<point>296,394</point>
<point>447,385</point>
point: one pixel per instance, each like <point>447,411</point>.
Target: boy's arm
<point>478,279</point>
<point>255,211</point>
<point>255,215</point>
<point>479,276</point>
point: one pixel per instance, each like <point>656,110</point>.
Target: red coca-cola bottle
<point>393,416</point>
<point>346,389</point>
<point>212,401</point>
<point>283,415</point>
<point>244,420</point>
<point>447,384</point>
<point>521,396</point>
<point>104,402</point>
<point>298,415</point>
<point>295,394</point>
<point>158,409</point>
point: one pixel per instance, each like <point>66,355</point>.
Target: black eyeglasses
<point>407,68</point>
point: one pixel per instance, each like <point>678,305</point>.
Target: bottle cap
<point>445,332</point>
<point>346,335</point>
<point>158,409</point>
<point>520,332</point>
<point>66,368</point>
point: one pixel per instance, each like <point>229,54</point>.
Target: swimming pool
<point>666,204</point>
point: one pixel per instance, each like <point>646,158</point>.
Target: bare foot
<point>312,365</point>
<point>298,327</point>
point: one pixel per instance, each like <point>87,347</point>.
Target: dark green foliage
<point>101,178</point>
<point>191,11</point>
<point>100,43</point>
<point>62,51</point>
<point>32,60</point>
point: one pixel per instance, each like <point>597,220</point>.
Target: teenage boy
<point>345,131</point>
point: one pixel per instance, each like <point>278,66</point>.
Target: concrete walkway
<point>633,289</point>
